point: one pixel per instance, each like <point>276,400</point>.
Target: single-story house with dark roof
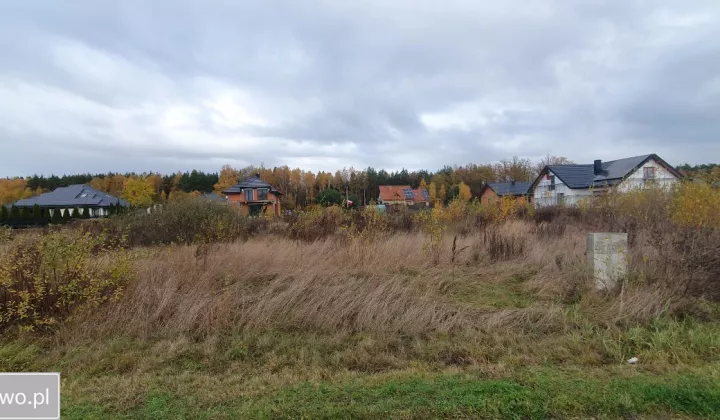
<point>493,192</point>
<point>569,184</point>
<point>254,195</point>
<point>73,197</point>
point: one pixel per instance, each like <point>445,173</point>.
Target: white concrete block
<point>607,255</point>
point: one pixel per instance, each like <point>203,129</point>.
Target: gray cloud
<point>174,85</point>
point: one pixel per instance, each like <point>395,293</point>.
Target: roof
<point>393,192</point>
<point>403,193</point>
<point>421,195</point>
<point>579,176</point>
<point>214,197</point>
<point>78,195</point>
<point>250,182</point>
<point>510,188</point>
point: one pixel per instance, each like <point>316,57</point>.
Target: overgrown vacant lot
<point>385,324</point>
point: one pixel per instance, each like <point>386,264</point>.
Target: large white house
<point>568,184</point>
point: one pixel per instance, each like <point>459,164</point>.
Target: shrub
<point>184,222</point>
<point>315,223</point>
<point>48,279</point>
<point>5,234</point>
<point>696,205</point>
<point>329,197</point>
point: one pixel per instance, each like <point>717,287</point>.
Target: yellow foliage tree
<point>464,192</point>
<point>423,184</point>
<point>442,195</point>
<point>227,178</point>
<point>12,190</point>
<point>138,192</point>
<point>432,191</point>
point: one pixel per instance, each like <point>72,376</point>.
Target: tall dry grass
<point>388,285</point>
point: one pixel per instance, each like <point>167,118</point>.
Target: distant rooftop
<point>250,182</point>
<point>79,195</point>
<point>510,188</point>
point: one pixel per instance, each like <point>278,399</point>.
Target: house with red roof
<point>403,195</point>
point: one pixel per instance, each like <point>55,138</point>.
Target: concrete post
<point>607,255</point>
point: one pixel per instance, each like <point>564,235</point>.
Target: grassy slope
<point>536,393</point>
<point>276,375</point>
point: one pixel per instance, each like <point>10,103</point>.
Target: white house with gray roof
<point>79,196</point>
<point>569,184</point>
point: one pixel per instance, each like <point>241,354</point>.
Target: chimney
<point>598,167</point>
<point>257,175</point>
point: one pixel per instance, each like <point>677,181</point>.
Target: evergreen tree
<point>3,214</point>
<point>85,212</point>
<point>66,217</point>
<point>14,214</point>
<point>24,214</point>
<point>56,218</point>
<point>37,213</point>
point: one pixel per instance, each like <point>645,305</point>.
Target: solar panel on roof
<point>408,193</point>
<point>426,195</point>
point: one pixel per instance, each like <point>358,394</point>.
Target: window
<point>649,173</point>
<point>561,199</point>
<point>552,182</point>
<point>262,194</point>
<point>248,194</point>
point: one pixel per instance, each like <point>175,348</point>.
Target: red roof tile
<point>397,193</point>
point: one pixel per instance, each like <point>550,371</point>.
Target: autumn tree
<point>309,186</point>
<point>12,190</point>
<point>551,160</point>
<point>515,170</point>
<point>156,183</point>
<point>442,195</point>
<point>227,178</point>
<point>464,191</point>
<point>432,192</point>
<point>423,185</point>
<point>138,192</point>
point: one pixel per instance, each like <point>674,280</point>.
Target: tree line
<point>300,188</point>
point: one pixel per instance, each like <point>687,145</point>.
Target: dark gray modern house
<point>73,197</point>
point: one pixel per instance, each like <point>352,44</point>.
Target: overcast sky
<point>167,85</point>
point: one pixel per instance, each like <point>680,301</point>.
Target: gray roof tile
<point>249,182</point>
<point>510,188</point>
<point>78,195</point>
<point>613,172</point>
